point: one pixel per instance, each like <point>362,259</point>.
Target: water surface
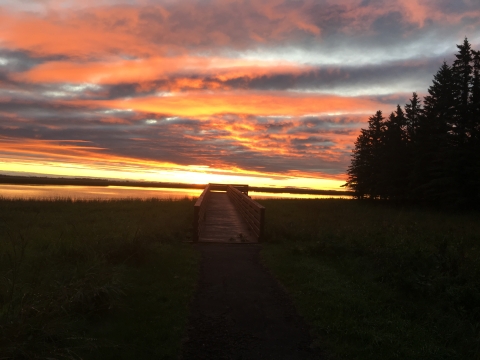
<point>48,192</point>
<point>42,192</point>
<point>267,195</point>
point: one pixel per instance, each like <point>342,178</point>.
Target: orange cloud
<point>149,69</point>
<point>65,34</point>
<point>269,103</point>
<point>182,27</point>
<point>256,137</point>
<point>70,157</point>
<point>148,29</point>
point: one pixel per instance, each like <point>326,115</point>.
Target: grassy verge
<point>377,282</point>
<point>94,279</point>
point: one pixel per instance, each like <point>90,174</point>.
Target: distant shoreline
<point>39,180</point>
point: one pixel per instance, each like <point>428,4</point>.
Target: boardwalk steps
<point>226,214</point>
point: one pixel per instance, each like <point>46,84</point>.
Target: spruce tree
<point>394,170</point>
<point>430,153</point>
<point>413,112</point>
<point>475,93</point>
<point>359,168</point>
<point>462,73</point>
<point>475,125</point>
<point>376,127</point>
<point>464,168</point>
<point>433,162</point>
<point>363,173</point>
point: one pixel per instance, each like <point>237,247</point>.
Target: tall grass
<point>72,275</point>
<point>378,282</point>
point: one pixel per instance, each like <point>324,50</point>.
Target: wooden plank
<point>230,216</point>
<point>223,222</point>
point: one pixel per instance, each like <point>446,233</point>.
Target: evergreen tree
<point>363,174</point>
<point>359,169</point>
<point>394,169</point>
<point>475,94</point>
<point>376,127</point>
<point>439,104</point>
<point>434,182</point>
<point>464,168</point>
<point>475,124</point>
<point>413,112</point>
<point>462,73</point>
<point>429,154</point>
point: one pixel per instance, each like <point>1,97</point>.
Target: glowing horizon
<point>269,94</point>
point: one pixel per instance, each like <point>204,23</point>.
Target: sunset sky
<point>264,92</point>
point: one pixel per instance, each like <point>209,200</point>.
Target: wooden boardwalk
<point>226,214</point>
<point>223,222</point>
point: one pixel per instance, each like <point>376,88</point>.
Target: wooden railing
<point>223,187</point>
<point>252,212</point>
<point>199,213</point>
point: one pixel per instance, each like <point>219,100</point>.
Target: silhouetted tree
<point>429,154</point>
<point>464,165</point>
<point>366,163</point>
<point>475,93</point>
<point>475,119</point>
<point>462,73</point>
<point>431,172</point>
<point>359,169</point>
<point>413,112</point>
<point>394,157</point>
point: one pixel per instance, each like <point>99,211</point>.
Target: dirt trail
<point>241,312</point>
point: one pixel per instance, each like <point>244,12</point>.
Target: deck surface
<point>223,223</point>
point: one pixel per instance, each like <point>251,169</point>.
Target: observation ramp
<point>226,214</point>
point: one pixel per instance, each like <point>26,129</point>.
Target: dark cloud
<point>391,24</point>
<point>406,76</point>
<point>182,140</point>
<point>457,6</point>
<point>19,60</point>
<point>344,78</point>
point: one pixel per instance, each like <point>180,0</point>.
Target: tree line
<point>429,151</point>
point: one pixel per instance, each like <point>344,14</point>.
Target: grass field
<point>96,279</point>
<point>112,279</point>
<point>377,282</point>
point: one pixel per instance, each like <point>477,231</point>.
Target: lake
<point>41,192</point>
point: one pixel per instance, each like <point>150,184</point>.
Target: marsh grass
<point>83,278</point>
<point>378,282</point>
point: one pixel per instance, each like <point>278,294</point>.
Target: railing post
<point>199,213</point>
<point>262,224</point>
<point>196,222</point>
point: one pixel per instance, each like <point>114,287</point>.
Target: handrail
<point>199,213</point>
<point>252,212</point>
<point>223,187</point>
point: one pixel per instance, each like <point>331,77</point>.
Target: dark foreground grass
<point>377,282</point>
<point>94,280</point>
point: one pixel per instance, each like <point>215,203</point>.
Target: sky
<point>267,93</point>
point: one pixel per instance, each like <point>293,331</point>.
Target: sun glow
<point>173,176</point>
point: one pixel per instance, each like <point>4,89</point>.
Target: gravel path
<point>241,312</point>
